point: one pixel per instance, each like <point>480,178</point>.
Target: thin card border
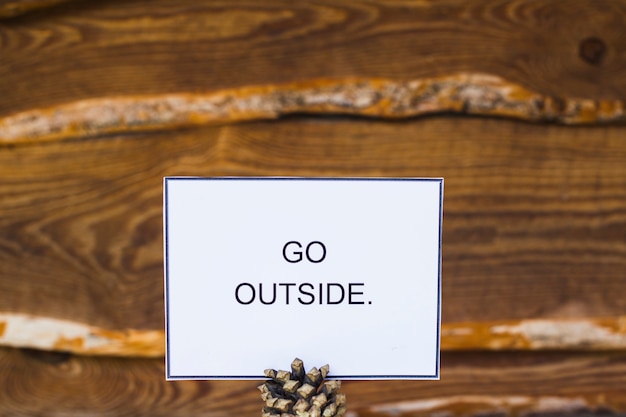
<point>171,377</point>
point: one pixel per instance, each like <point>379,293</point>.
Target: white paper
<point>377,242</point>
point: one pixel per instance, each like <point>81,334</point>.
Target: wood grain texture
<point>534,215</point>
<point>100,49</point>
<point>472,384</point>
<point>12,8</point>
<point>473,94</point>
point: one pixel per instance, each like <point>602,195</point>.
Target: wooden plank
<point>534,215</point>
<point>472,384</point>
<point>101,49</point>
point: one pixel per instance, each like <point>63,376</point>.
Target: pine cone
<point>300,394</point>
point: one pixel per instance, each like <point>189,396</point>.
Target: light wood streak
<point>20,330</point>
<point>473,94</point>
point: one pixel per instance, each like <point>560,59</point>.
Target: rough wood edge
<point>476,405</point>
<point>22,330</point>
<point>607,333</point>
<point>464,93</point>
<point>27,331</point>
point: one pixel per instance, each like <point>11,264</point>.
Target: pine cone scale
<point>297,393</point>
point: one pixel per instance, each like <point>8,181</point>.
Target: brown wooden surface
<point>534,247</point>
<point>53,384</point>
<point>88,49</point>
<point>534,215</point>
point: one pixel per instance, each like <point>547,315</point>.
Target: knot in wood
<point>592,50</point>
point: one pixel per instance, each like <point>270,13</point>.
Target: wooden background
<point>534,237</point>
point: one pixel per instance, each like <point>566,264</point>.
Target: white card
<point>345,272</point>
